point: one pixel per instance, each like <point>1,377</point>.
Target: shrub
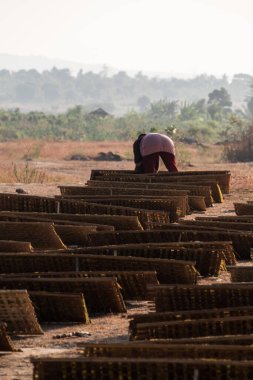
<point>27,174</point>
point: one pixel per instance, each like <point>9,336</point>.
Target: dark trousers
<point>151,162</point>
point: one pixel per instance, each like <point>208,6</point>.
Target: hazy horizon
<point>15,63</point>
<point>182,39</point>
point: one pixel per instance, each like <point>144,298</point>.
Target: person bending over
<point>147,150</point>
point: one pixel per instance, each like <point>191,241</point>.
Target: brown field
<point>49,159</point>
<point>61,150</point>
<point>51,165</point>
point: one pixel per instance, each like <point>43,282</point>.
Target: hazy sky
<point>171,36</point>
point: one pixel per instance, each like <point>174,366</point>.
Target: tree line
<point>211,120</point>
<point>56,90</point>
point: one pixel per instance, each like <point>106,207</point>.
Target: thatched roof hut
<point>99,112</point>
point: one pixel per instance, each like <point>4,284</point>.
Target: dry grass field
<point>51,160</point>
<point>49,164</point>
<point>52,164</point>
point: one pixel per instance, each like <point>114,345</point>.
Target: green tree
<point>163,108</point>
<point>220,97</point>
<point>219,103</point>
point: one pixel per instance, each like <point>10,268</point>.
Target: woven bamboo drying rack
<point>73,235</point>
<point>165,250</point>
<point>173,271</point>
<point>156,202</point>
<point>193,202</point>
<point>242,241</point>
<point>146,217</point>
<point>201,190</point>
<point>5,341</point>
<point>190,225</point>
<point>221,176</point>
<point>193,328</point>
<point>209,258</point>
<point>147,349</point>
<point>168,271</point>
<point>197,202</point>
<point>195,297</point>
<point>121,222</point>
<point>243,208</point>
<point>176,206</point>
<point>102,295</point>
<point>11,216</point>
<point>59,307</point>
<point>76,192</point>
<point>13,202</point>
<point>231,340</point>
<point>103,172</point>
<point>229,219</point>
<point>207,263</point>
<point>133,284</point>
<point>188,315</point>
<point>21,202</point>
<point>241,245</point>
<point>17,311</point>
<point>209,180</point>
<point>174,182</point>
<point>241,273</point>
<point>39,262</point>
<point>41,235</point>
<point>199,226</point>
<point>15,246</point>
<point>223,224</point>
<point>139,368</point>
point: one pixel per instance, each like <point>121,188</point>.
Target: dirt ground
<point>17,366</point>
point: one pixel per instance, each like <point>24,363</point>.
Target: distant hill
<point>39,63</point>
